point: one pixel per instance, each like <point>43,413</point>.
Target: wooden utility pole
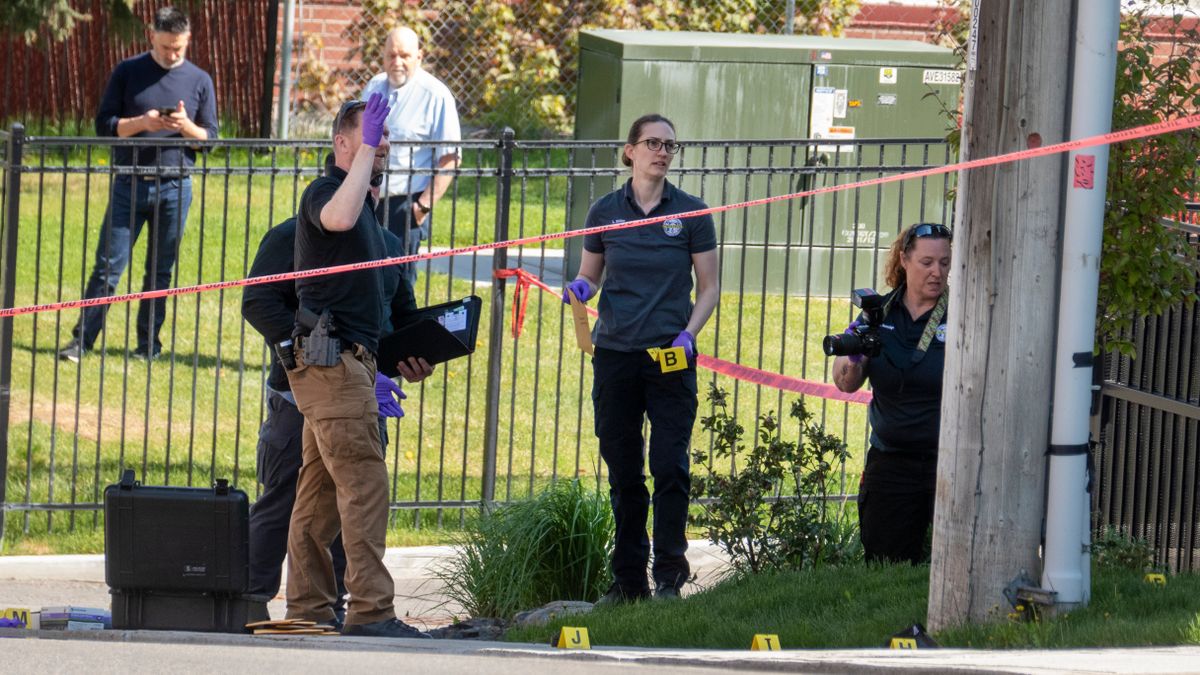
<point>1000,348</point>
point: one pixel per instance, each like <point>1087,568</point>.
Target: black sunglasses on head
<point>935,230</point>
<point>347,108</point>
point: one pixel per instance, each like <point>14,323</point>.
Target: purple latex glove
<point>687,341</point>
<point>581,288</point>
<point>386,393</point>
<point>373,117</point>
<point>854,358</point>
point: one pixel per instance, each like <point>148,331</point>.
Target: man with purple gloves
<point>271,310</point>
<point>647,303</point>
<point>343,482</point>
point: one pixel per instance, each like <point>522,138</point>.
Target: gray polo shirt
<point>646,296</point>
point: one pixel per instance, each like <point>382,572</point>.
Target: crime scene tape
<point>1144,131</point>
<point>719,366</point>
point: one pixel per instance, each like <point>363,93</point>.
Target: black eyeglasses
<point>935,230</point>
<point>347,108</point>
<point>656,144</point>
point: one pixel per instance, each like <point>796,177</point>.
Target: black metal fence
<point>494,426</point>
<point>1148,429</point>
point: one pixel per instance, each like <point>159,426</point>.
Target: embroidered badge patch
<point>672,227</point>
<point>941,333</point>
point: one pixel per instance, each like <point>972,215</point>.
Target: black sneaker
<point>387,628</point>
<point>617,595</point>
<point>144,352</point>
<point>666,591</point>
<point>72,351</point>
<point>339,617</point>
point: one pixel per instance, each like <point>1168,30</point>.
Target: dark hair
<point>635,130</point>
<point>171,20</point>
<point>347,116</point>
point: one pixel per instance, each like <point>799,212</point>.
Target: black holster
<point>320,347</point>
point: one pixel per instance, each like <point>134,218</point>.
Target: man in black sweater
<point>158,95</point>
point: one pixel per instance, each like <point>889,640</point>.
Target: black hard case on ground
<point>192,611</point>
<point>177,558</point>
<point>176,538</point>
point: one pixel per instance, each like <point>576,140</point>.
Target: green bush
<point>1113,550</point>
<point>516,63</point>
<point>771,512</point>
<point>525,554</point>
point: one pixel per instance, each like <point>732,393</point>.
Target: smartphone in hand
<point>166,112</point>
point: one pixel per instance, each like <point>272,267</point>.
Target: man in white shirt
<point>422,109</point>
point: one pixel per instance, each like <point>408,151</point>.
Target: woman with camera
<point>896,495</point>
<point>647,303</point>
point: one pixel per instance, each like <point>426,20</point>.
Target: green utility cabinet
<point>742,88</point>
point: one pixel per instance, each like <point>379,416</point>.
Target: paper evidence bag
<point>436,333</point>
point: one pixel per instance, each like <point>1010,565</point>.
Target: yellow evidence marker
<point>19,613</point>
<point>571,637</point>
<point>764,642</point>
<point>902,643</point>
<point>1156,579</point>
<point>583,331</point>
<point>669,359</point>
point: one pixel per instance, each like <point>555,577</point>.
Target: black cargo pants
<point>628,387</point>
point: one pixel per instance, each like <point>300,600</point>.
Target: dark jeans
<point>279,459</point>
<point>396,214</point>
<point>164,204</point>
<point>626,388</point>
<point>895,505</point>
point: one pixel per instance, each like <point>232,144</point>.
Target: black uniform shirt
<point>271,308</point>
<point>906,408</point>
<point>355,298</point>
<point>647,296</point>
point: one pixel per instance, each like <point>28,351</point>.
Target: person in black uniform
<point>647,303</point>
<point>271,310</point>
<point>343,484</point>
<point>896,496</point>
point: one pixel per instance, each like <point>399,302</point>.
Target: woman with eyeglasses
<point>896,495</point>
<point>647,303</point>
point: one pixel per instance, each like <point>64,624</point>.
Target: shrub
<point>1113,550</point>
<point>525,554</point>
<point>1146,268</point>
<point>516,63</point>
<point>772,512</point>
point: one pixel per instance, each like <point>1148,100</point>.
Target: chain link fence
<point>514,62</point>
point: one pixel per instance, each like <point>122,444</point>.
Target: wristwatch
<point>421,207</point>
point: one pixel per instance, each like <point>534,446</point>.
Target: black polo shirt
<point>355,299</point>
<point>647,289</point>
<point>906,408</point>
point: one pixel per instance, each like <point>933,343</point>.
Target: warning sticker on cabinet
<point>887,75</point>
<point>828,103</point>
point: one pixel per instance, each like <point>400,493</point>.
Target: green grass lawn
<point>863,605</point>
<point>193,414</point>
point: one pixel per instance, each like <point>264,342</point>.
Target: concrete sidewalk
<point>37,581</point>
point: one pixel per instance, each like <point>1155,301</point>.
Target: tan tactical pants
<point>342,485</point>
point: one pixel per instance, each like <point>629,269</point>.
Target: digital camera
<point>864,337</point>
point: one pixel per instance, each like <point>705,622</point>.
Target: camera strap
<point>931,326</point>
